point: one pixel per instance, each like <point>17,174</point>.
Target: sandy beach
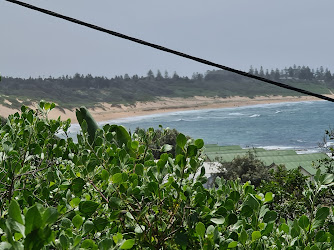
<point>105,111</point>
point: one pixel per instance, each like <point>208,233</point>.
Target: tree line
<point>76,90</point>
<point>295,72</point>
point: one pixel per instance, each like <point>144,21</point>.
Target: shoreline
<point>105,112</point>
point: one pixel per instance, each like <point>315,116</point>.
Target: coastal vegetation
<point>77,90</point>
<point>109,191</point>
<point>246,168</point>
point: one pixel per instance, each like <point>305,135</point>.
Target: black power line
<point>178,53</point>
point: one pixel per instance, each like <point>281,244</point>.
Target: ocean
<point>295,125</point>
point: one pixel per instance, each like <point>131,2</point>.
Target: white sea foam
<point>255,115</point>
<point>235,114</point>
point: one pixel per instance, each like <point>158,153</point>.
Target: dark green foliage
<point>160,141</point>
<point>288,187</point>
<point>58,194</point>
<point>87,123</point>
<point>246,168</point>
<point>2,121</point>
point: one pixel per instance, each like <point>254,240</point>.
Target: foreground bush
<point>247,168</point>
<point>108,192</point>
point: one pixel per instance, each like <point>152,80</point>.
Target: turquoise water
<point>298,125</point>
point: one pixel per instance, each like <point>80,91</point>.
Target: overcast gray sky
<point>235,33</point>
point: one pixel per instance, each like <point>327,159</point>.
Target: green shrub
<point>246,168</point>
<point>111,193</point>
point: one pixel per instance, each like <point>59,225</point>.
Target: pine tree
<point>159,76</point>
<point>166,75</point>
<point>261,73</point>
<point>328,76</point>
<point>150,75</point>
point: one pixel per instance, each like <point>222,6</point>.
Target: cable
<point>178,53</point>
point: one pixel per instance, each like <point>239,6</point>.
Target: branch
<point>98,190</point>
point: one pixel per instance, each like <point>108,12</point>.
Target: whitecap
<point>255,115</point>
<point>236,114</point>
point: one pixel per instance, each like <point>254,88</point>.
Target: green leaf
<point>14,226</point>
<point>14,212</point>
<point>229,204</point>
<point>181,140</point>
<point>104,175</point>
<point>77,240</point>
<point>268,230</point>
<point>134,145</point>
<point>101,224</point>
<point>117,178</point>
<point>77,221</point>
<point>199,143</point>
<point>64,241</point>
<point>105,244</point>
<point>117,237</point>
<point>88,207</point>
<point>47,106</point>
<point>322,213</point>
<point>75,201</point>
<point>246,211</point>
<point>235,196</point>
<point>284,227</point>
<point>5,245</point>
<point>66,223</point>
<point>139,169</point>
<point>128,244</point>
<point>50,215</point>
<point>87,123</point>
<point>231,219</point>
<point>304,222</point>
<point>77,185</point>
<point>33,220</point>
<point>115,202</point>
<point>243,237</point>
<point>232,244</point>
<point>321,236</point>
<point>122,137</point>
<point>88,244</point>
<point>139,229</point>
<point>327,179</point>
<point>256,235</point>
<point>30,117</point>
<point>295,230</point>
<point>270,216</point>
<point>252,201</point>
<point>218,221</point>
<point>268,197</point>
<point>88,226</point>
<point>166,148</point>
<point>210,230</point>
<point>191,150</point>
<point>200,229</point>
